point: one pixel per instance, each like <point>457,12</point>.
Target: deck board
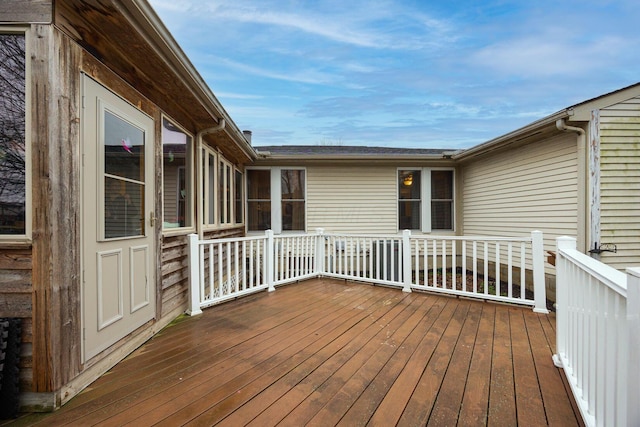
<point>328,352</point>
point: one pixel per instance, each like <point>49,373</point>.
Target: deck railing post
<point>270,259</point>
<point>319,255</point>
<point>406,260</point>
<point>539,291</point>
<point>562,295</point>
<point>633,340</point>
<point>194,276</point>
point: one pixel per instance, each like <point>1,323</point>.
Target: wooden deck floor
<point>326,352</point>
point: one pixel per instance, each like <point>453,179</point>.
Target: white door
<point>117,215</point>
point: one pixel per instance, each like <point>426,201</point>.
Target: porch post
<point>406,260</point>
<point>633,340</point>
<point>539,291</point>
<point>194,276</point>
<point>320,251</point>
<point>562,296</point>
<point>270,259</point>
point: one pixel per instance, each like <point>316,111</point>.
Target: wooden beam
<point>26,11</point>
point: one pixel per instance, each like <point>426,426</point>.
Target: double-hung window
<point>276,199</point>
<point>222,187</point>
<point>15,179</point>
<point>177,177</point>
<point>425,199</point>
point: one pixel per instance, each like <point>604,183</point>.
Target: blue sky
<point>420,74</point>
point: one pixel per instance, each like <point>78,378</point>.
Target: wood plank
<point>474,408</point>
<point>392,406</point>
<point>449,400</point>
<point>502,405</point>
<point>359,372</point>
<point>419,407</point>
<point>193,363</point>
<point>40,11</point>
<point>280,357</point>
<point>530,409</point>
<point>364,408</point>
<point>310,384</point>
<point>15,259</point>
<point>558,409</point>
<point>331,353</point>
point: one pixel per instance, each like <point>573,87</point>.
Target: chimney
<point>247,135</point>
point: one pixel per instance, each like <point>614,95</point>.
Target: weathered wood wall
<point>175,265</point>
<point>40,11</point>
<point>55,66</point>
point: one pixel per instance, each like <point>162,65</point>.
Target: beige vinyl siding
<point>534,187</point>
<point>352,199</point>
<point>620,182</point>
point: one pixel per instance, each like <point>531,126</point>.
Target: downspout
<point>199,175</point>
<point>562,126</point>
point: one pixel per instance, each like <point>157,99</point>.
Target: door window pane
<point>123,148</point>
<point>13,172</point>
<point>124,182</point>
<point>123,208</point>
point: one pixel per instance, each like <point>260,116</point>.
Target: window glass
<point>224,192</point>
<point>124,179</point>
<point>409,203</point>
<point>258,199</point>
<point>239,198</point>
<point>210,188</point>
<point>293,203</point>
<point>442,200</point>
<point>13,169</point>
<point>176,176</point>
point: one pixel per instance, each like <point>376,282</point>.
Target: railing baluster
<point>463,279</point>
<point>434,267</point>
<point>523,269</point>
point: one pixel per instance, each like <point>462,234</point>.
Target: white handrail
<point>598,336</point>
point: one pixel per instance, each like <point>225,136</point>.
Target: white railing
<point>598,336</point>
<point>495,268</point>
<point>503,269</point>
<point>490,268</point>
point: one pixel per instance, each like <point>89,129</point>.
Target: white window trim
<point>425,197</point>
<point>276,198</point>
<point>207,153</point>
<point>243,187</point>
<point>28,167</point>
<point>189,160</point>
<point>222,180</point>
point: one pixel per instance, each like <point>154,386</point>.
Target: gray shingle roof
<point>348,150</point>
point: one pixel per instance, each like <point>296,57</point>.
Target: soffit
<point>139,50</point>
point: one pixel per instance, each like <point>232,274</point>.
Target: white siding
<point>620,182</point>
<point>353,199</point>
<point>533,187</point>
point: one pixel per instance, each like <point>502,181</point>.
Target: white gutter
<point>512,137</point>
<point>561,125</point>
<point>584,195</point>
<point>199,196</point>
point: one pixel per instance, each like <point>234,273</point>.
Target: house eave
<point>146,20</point>
<point>517,136</point>
<point>265,159</point>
